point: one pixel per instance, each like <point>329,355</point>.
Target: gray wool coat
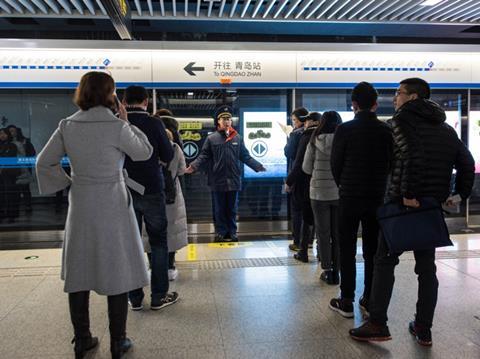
<point>177,231</point>
<point>317,163</point>
<point>102,249</point>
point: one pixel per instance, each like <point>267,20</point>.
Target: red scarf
<point>233,132</point>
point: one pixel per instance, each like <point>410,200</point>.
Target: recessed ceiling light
<point>430,2</point>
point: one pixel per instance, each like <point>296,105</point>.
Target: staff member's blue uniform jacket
<point>224,157</point>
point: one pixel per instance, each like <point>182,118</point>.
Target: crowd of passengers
<point>125,165</point>
<point>14,181</point>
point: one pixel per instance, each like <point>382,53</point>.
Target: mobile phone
<point>117,101</point>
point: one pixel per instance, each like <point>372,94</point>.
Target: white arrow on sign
<point>259,148</point>
<point>190,149</point>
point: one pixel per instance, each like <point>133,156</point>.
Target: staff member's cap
<point>312,116</point>
<point>224,111</point>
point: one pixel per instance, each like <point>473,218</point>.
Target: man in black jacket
<point>291,152</point>
<point>150,205</point>
<point>298,183</point>
<point>360,161</point>
<point>425,153</point>
<point>222,155</point>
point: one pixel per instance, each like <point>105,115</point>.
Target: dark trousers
<point>384,278</point>
<point>24,191</point>
<point>307,226</point>
<point>325,214</point>
<point>171,260</point>
<point>150,208</point>
<point>296,215</point>
<point>225,206</point>
<point>352,212</point>
<point>79,314</point>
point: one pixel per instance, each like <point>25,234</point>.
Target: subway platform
<point>245,300</point>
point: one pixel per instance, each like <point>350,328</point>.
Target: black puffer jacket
<point>426,151</point>
<point>361,157</point>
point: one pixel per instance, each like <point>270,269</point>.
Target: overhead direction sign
<point>189,69</point>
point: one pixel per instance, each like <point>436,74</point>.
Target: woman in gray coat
<point>324,195</point>
<point>102,248</point>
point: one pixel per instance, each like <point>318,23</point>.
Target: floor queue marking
<point>229,244</point>
<point>191,252</point>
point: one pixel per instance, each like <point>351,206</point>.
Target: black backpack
<point>170,185</point>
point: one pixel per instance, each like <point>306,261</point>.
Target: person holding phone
<point>102,249</point>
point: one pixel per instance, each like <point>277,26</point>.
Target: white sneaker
<point>172,274</point>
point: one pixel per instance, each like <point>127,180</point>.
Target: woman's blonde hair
<point>169,134</point>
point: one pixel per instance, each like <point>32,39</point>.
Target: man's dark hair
<point>300,112</point>
<point>365,95</point>
<point>164,112</point>
<point>418,86</point>
<point>135,95</point>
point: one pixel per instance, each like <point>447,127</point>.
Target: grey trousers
<point>325,214</point>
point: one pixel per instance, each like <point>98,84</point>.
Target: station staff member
<point>222,156</point>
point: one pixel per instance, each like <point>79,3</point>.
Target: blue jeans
<point>151,209</point>
<point>225,206</point>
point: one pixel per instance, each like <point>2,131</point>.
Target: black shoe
<point>370,332</point>
<point>301,257</point>
<point>233,238</point>
<point>120,347</point>
<point>422,334</point>
<point>330,277</point>
<point>136,304</point>
<point>83,345</point>
<point>342,306</point>
<point>219,238</point>
<point>169,299</point>
<point>293,247</point>
<point>363,304</point>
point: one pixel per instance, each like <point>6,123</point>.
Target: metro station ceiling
<point>410,18</point>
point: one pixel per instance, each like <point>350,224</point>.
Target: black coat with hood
<point>426,150</point>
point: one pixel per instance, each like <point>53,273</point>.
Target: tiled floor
<point>250,312</point>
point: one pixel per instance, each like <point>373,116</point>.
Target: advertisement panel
<point>474,137</point>
<point>454,120</point>
<point>265,140</point>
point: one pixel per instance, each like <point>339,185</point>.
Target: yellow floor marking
<point>229,244</point>
<point>191,252</point>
